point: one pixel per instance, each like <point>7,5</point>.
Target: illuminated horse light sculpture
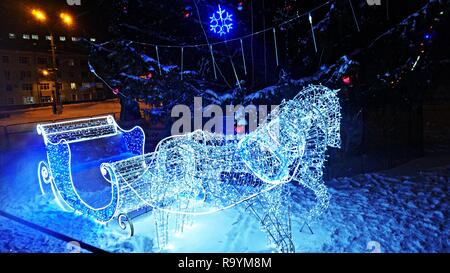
<point>201,173</point>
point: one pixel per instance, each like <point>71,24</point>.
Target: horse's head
<point>273,150</point>
<point>323,105</point>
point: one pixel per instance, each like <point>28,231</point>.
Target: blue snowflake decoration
<point>221,22</point>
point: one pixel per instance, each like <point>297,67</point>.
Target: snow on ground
<point>19,238</point>
<point>406,213</point>
<point>403,210</point>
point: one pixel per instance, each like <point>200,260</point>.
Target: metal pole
<point>57,108</point>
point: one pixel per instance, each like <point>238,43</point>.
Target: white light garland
<point>312,32</point>
<point>276,46</point>
<point>182,60</point>
<point>213,62</point>
<point>157,57</point>
<point>243,57</point>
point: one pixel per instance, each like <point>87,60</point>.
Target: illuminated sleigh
<point>62,137</point>
<point>201,173</point>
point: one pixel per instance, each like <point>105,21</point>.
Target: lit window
<point>71,62</point>
<point>73,86</point>
<point>46,99</point>
<point>62,38</point>
<point>26,36</point>
<point>48,38</point>
<point>75,39</point>
<point>44,86</point>
<point>12,36</point>
<point>35,37</point>
<point>28,100</point>
<point>93,39</point>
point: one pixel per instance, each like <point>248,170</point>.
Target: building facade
<point>26,71</point>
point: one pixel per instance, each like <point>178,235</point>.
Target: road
<point>69,111</point>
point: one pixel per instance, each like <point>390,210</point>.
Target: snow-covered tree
<point>365,50</point>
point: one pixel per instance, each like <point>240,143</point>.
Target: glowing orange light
<point>66,18</point>
<point>39,15</point>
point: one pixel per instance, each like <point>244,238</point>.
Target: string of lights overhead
<point>221,23</point>
<point>295,18</point>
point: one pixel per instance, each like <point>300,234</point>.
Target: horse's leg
<point>322,198</point>
<point>310,174</point>
<point>161,228</point>
<point>273,211</point>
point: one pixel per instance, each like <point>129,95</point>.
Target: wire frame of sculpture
<point>201,173</point>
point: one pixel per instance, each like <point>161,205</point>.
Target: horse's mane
<point>326,101</point>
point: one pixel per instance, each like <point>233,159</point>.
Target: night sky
<point>89,16</point>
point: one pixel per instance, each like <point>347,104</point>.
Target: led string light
<point>157,57</point>
<point>182,59</point>
<point>213,61</point>
<point>354,15</point>
<point>410,66</point>
<point>243,57</point>
<point>276,46</point>
<point>298,16</point>
<point>394,77</point>
<point>223,23</point>
<point>117,91</point>
<point>312,31</point>
<point>57,171</point>
<point>210,47</point>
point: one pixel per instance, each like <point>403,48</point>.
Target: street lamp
<point>39,15</point>
<point>67,20</point>
<point>45,72</point>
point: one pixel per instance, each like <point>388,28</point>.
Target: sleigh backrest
<point>78,130</point>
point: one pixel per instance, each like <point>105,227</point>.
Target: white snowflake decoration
<point>221,22</point>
